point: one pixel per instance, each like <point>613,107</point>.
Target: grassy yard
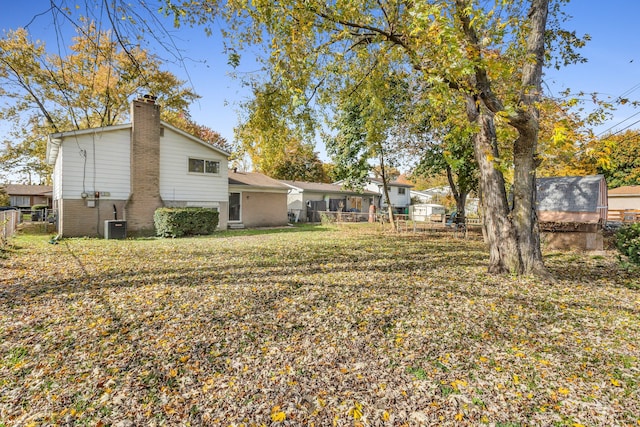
<point>312,326</point>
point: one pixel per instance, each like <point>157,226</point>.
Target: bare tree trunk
<point>501,236</point>
<point>524,208</point>
<point>385,192</point>
<point>459,196</point>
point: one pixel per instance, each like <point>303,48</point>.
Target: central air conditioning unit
<point>115,229</point>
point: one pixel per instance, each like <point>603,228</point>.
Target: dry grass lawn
<point>313,327</point>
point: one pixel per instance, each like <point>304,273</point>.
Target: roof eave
<point>259,187</point>
<point>53,147</point>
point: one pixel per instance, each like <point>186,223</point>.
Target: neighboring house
<point>255,200</point>
<point>572,199</point>
<point>420,197</point>
<point>623,199</point>
<point>306,199</point>
<point>24,196</point>
<point>128,171</point>
<point>426,211</point>
<point>572,210</point>
<point>471,206</point>
<point>399,194</point>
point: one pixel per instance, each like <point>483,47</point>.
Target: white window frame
<point>402,190</point>
<point>20,201</point>
<point>204,166</point>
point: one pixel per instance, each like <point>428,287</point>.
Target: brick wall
<point>264,209</point>
<point>78,220</point>
<point>145,167</point>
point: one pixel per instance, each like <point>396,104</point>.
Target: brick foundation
<point>78,220</point>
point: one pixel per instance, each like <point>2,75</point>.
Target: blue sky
<point>613,66</point>
<point>205,66</point>
<point>613,54</point>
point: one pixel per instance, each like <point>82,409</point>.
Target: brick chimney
<point>145,166</point>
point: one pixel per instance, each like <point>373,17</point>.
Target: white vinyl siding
<point>96,162</point>
<point>177,183</point>
<point>397,199</point>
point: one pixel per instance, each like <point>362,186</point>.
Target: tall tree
<point>273,134</point>
<point>441,138</point>
<point>90,87</point>
<point>451,154</point>
<point>490,56</point>
<point>367,127</point>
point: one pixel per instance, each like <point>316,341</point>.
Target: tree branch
<point>394,38</point>
<point>483,85</point>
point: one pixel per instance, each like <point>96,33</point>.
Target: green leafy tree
<point>617,157</point>
<point>273,137</point>
<point>90,87</point>
<point>348,149</point>
<point>367,128</point>
<point>353,148</point>
<point>4,197</point>
<point>487,55</point>
<point>452,155</point>
<point>442,139</point>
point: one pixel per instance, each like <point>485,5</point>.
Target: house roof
<point>422,194</point>
<point>255,180</point>
<point>54,141</point>
<point>569,193</point>
<point>27,190</point>
<point>627,190</point>
<point>391,183</point>
<point>318,187</point>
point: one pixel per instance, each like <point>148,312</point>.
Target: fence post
<point>9,222</point>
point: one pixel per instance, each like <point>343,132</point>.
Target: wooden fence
<point>8,223</point>
<point>404,223</point>
<point>624,215</point>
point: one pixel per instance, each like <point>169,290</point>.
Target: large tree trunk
<point>525,147</point>
<point>524,208</point>
<point>512,234</point>
<point>501,236</point>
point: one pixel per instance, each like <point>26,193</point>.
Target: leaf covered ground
<point>316,327</point>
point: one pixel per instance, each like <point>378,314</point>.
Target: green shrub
<point>177,222</point>
<point>627,240</point>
